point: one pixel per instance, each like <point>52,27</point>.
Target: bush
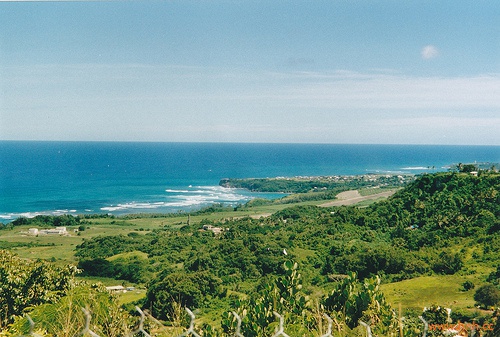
<point>467,285</point>
<point>487,295</point>
<point>436,315</point>
<point>65,318</point>
<point>448,263</point>
<point>186,289</point>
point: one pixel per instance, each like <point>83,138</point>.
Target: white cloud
<point>142,102</point>
<point>429,52</point>
<point>368,92</point>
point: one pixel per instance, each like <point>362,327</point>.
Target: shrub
<point>487,295</point>
<point>468,285</point>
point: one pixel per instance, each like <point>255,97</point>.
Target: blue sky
<point>405,72</point>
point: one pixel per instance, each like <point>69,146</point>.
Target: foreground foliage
<point>351,303</point>
<point>64,317</point>
<point>26,283</point>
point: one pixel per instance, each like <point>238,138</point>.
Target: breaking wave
<point>172,200</point>
<point>185,198</point>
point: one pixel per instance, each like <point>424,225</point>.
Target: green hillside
<point>433,243</point>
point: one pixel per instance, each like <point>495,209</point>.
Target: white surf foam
<point>173,199</point>
<point>57,212</point>
<point>416,168</point>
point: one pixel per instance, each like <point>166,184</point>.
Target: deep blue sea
<point>120,178</point>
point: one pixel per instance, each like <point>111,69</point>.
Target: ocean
<point>122,178</point>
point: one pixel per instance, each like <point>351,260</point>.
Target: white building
<point>51,231</point>
<point>116,289</point>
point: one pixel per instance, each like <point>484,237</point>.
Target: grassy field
<point>375,190</point>
<point>55,247</point>
<point>443,290</point>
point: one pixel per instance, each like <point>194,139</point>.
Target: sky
<point>336,71</point>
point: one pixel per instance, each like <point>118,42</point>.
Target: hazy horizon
<point>238,142</point>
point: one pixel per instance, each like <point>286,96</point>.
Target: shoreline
<point>195,201</point>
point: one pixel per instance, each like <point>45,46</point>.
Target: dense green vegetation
<point>413,233</point>
<point>48,221</point>
<point>314,189</point>
<point>26,283</point>
<point>442,224</point>
<point>317,184</point>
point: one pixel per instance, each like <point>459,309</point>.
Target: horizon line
<point>232,142</point>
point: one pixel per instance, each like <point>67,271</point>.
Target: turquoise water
<point>120,178</point>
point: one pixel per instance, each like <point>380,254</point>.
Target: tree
<point>467,168</point>
<point>27,283</point>
<point>468,285</point>
<point>187,289</point>
<point>487,295</point>
<point>97,267</point>
<point>494,276</point>
<point>435,315</point>
<point>448,263</point>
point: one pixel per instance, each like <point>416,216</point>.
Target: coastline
<point>196,198</point>
<point>123,178</point>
